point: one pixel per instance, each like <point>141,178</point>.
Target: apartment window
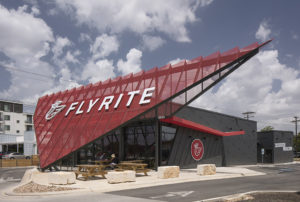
<point>6,117</point>
<point>8,107</point>
<point>18,108</point>
<point>1,106</point>
<point>29,128</point>
<point>7,127</point>
<point>29,119</point>
<point>18,121</point>
<point>18,131</point>
<point>1,128</point>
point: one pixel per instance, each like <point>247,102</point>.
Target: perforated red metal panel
<point>168,87</point>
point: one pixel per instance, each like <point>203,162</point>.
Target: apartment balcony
<point>27,122</point>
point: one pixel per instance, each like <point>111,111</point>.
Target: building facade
<point>277,146</point>
<point>146,116</point>
<point>14,124</point>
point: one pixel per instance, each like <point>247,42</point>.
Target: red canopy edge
<point>196,126</point>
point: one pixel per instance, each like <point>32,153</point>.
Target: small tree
<point>267,128</point>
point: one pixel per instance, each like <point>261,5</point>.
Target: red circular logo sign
<point>197,149</point>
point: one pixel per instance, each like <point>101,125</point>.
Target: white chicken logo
<point>197,149</point>
<point>55,109</point>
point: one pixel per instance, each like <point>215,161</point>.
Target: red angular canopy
<point>68,120</point>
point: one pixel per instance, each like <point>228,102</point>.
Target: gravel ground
<point>32,187</point>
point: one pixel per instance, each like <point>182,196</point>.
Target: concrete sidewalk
<point>101,185</point>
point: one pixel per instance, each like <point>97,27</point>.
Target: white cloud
<point>133,63</point>
<point>152,42</point>
<point>35,11</point>
<point>103,46</point>
<point>169,17</point>
<point>65,82</point>
<point>99,71</point>
<point>84,37</point>
<point>205,2</point>
<point>24,39</point>
<point>22,35</point>
<point>175,61</point>
<point>71,57</point>
<point>263,33</point>
<point>60,44</point>
<point>250,88</point>
<point>295,36</point>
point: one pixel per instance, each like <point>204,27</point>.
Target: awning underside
<point>196,126</point>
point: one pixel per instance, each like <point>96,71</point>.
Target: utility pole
<point>248,115</point>
<point>296,132</point>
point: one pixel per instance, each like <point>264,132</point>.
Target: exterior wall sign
<point>284,148</point>
<point>106,102</point>
<point>197,149</point>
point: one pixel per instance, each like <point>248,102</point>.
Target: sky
<point>54,45</point>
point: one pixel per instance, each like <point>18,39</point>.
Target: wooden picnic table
<point>104,163</point>
<point>90,170</point>
<point>133,161</point>
<point>137,167</point>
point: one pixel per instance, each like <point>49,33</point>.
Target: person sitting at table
<point>101,156</point>
<point>114,161</point>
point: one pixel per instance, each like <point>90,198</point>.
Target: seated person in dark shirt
<point>114,161</point>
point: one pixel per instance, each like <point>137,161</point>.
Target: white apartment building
<point>16,128</point>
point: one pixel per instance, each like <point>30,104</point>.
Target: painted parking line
<point>173,194</point>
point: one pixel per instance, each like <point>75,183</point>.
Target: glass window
<point>1,106</point>
<point>18,131</point>
<point>18,108</point>
<point>6,117</point>
<point>167,138</point>
<point>7,127</point>
<point>29,119</point>
<point>28,128</point>
<point>1,127</point>
<point>102,148</point>
<point>8,107</point>
<point>18,121</point>
<point>140,143</point>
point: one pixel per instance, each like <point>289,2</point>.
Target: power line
<point>33,73</point>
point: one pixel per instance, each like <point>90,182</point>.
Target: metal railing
<point>29,121</point>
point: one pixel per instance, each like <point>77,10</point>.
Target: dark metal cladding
<point>277,146</point>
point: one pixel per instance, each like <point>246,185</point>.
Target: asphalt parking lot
<point>280,177</point>
<point>277,178</point>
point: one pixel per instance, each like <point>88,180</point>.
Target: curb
<point>240,196</point>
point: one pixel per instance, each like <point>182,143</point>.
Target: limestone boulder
<point>61,178</point>
<point>120,177</point>
<point>206,169</point>
<point>48,178</point>
<point>165,172</point>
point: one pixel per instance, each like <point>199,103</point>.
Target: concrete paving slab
<point>186,175</point>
